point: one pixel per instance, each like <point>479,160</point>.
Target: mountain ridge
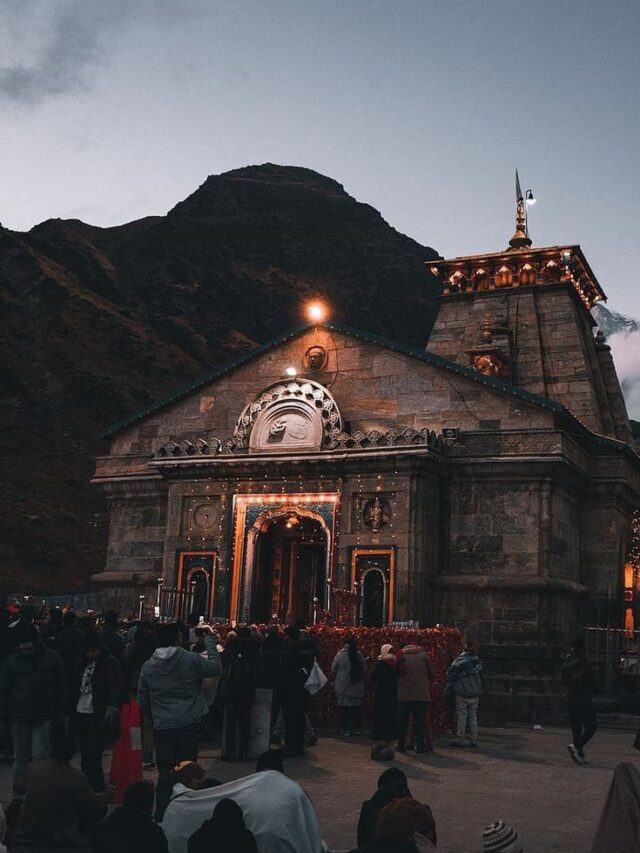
<point>102,321</point>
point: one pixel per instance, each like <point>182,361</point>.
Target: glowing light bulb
<point>291,371</point>
<point>317,312</point>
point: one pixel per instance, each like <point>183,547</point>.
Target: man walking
<point>465,679</point>
<point>33,697</point>
<point>170,694</point>
<point>577,676</point>
<point>414,694</point>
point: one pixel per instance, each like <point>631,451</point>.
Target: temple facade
<point>488,481</point>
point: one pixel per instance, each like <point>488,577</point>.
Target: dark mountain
<point>100,321</point>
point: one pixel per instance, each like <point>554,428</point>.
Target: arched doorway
<point>199,588</point>
<point>373,598</point>
<point>290,568</point>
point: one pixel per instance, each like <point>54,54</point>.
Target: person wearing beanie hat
<point>499,837</point>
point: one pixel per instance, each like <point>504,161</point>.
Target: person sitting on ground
<point>130,828</point>
<point>272,759</point>
<point>425,826</point>
<point>499,837</point>
<point>392,785</point>
<point>60,808</point>
<point>224,832</point>
<point>395,831</point>
<point>190,774</point>
<point>275,808</point>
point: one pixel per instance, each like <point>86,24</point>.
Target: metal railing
<point>175,603</point>
<point>614,654</point>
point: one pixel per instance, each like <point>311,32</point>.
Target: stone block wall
<point>552,346</point>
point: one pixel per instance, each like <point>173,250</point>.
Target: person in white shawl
<point>276,810</point>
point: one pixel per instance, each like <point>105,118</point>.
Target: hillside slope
<point>100,321</point>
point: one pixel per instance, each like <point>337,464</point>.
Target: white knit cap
<point>499,837</point>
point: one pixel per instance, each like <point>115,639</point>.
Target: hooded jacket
<point>170,685</point>
<point>465,675</point>
<point>416,674</point>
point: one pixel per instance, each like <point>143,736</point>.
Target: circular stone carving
<point>315,358</point>
<point>295,416</point>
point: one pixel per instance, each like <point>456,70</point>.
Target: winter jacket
<point>347,692</point>
<point>372,808</point>
<point>240,663</point>
<point>465,675</point>
<point>112,640</point>
<point>578,678</point>
<point>60,807</point>
<point>416,675</point>
<point>107,684</point>
<point>170,685</point>
<point>129,830</point>
<point>33,688</point>
<point>134,656</point>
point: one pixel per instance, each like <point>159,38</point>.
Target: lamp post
<point>141,599</point>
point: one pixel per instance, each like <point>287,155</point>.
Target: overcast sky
<point>111,110</point>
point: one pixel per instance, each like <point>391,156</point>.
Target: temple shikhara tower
<point>488,481</point>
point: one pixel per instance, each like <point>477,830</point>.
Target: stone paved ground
<point>520,775</point>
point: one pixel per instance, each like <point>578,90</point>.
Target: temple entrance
<point>289,578</point>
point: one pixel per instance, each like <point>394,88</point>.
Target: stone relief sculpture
<point>315,358</point>
<point>376,513</point>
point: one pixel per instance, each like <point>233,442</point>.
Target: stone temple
<point>487,481</point>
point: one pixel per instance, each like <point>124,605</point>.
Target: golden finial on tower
<point>521,239</point>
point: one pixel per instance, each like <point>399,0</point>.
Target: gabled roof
<point>386,343</point>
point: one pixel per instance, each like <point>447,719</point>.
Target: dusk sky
<point>113,110</point>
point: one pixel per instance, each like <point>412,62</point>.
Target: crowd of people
<point>65,679</point>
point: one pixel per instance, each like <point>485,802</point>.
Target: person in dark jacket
<point>33,698</point>
<point>69,644</point>
<point>225,832</point>
<point>298,655</point>
<point>137,653</point>
<point>396,831</point>
<point>109,635</point>
<point>60,808</point>
<point>240,662</point>
<point>392,785</point>
<point>578,678</point>
<point>130,828</point>
<point>96,700</point>
<point>385,704</point>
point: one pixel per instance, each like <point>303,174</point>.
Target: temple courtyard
<point>520,775</point>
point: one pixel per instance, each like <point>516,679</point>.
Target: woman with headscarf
<point>349,669</point>
<point>385,704</point>
<point>224,832</point>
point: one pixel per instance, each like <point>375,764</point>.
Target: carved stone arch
<point>252,534</point>
<point>291,416</point>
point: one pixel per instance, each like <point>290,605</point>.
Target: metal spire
<point>520,239</point>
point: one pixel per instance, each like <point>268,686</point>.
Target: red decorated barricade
<point>441,644</point>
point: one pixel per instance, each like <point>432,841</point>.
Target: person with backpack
<point>464,679</point>
<point>240,662</point>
